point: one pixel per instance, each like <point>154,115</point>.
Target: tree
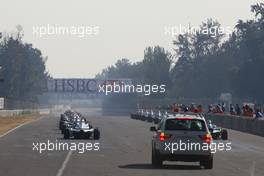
<point>156,66</point>
<point>24,69</point>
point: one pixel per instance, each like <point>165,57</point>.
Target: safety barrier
<point>5,113</point>
<point>238,123</point>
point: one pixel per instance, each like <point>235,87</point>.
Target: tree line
<point>23,73</point>
<point>204,65</point>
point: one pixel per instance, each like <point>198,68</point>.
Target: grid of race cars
<point>74,125</point>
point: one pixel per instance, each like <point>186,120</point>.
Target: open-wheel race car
<point>74,125</point>
<point>217,132</point>
<point>82,130</point>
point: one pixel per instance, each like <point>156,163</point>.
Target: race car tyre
<point>215,136</point>
<point>149,120</point>
<point>61,117</point>
<point>207,164</point>
<point>77,136</point>
<point>224,135</point>
<point>156,160</point>
<point>62,129</point>
<point>60,126</point>
<point>96,134</point>
<point>66,134</point>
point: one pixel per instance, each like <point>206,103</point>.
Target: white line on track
<point>23,124</point>
<point>64,164</point>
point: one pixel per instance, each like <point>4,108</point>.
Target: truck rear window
<point>185,124</point>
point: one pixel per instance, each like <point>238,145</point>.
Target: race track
<point>125,150</point>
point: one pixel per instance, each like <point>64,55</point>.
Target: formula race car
<point>150,116</point>
<point>73,124</point>
<point>144,114</point>
<point>66,120</point>
<point>136,115</point>
<point>82,130</point>
<point>159,116</point>
<point>217,132</point>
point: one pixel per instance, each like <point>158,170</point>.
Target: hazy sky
<point>126,27</point>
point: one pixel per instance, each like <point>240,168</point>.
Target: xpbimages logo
<point>173,147</point>
<point>142,89</point>
<point>80,31</point>
<point>80,147</point>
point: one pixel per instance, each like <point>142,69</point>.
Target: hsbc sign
<point>82,85</point>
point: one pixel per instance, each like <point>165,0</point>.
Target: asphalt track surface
<point>125,150</point>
